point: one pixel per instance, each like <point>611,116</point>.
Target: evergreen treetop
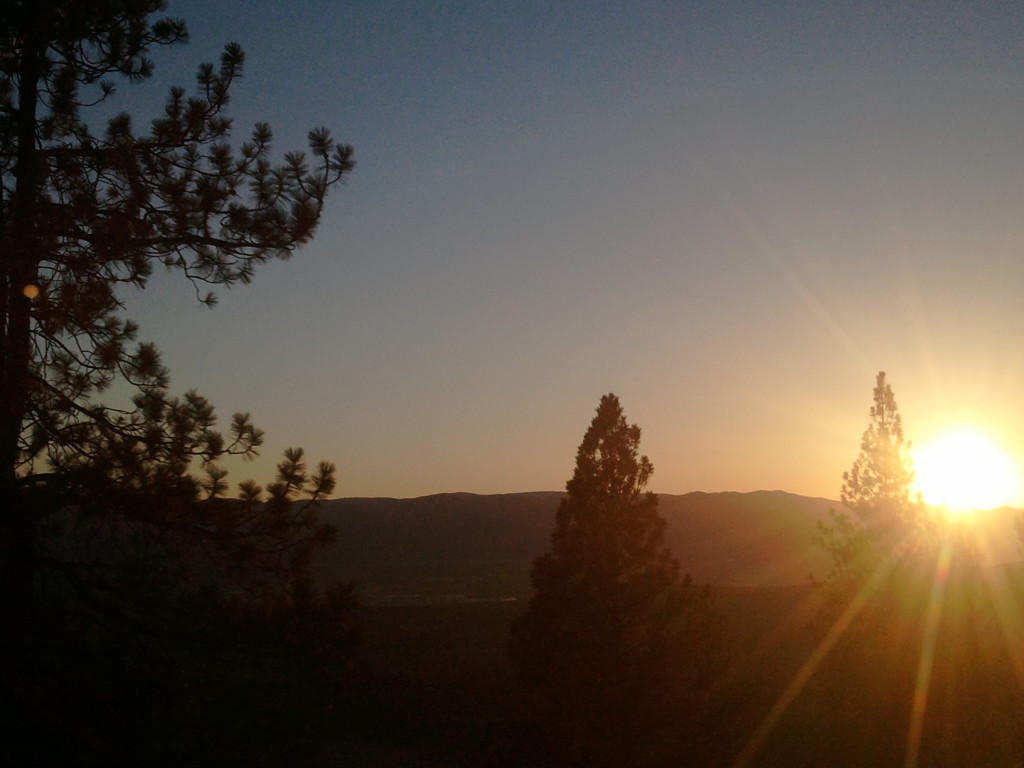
<point>877,486</point>
<point>607,525</point>
<point>617,653</point>
<point>886,521</point>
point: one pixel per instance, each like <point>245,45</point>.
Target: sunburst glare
<point>964,469</point>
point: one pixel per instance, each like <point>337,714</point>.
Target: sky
<point>730,214</point>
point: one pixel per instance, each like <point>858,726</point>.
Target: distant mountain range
<point>463,546</point>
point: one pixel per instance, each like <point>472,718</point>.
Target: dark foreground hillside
<point>433,688</point>
<point>442,578</point>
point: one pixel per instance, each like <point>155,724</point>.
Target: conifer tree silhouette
<point>886,520</point>
<point>85,214</point>
<point>616,650</point>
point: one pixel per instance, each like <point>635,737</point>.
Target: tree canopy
<point>887,521</point>
<point>87,213</point>
<point>616,650</point>
<point>113,510</point>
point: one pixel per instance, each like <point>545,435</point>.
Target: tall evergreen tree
<point>886,519</point>
<point>917,616</point>
<point>84,215</point>
<point>877,486</point>
<point>616,651</point>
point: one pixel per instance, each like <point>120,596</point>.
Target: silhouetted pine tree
<point>887,522</point>
<point>616,651</point>
<point>102,522</point>
<point>919,628</point>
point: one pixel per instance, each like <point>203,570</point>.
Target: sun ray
<point>1009,616</point>
<point>809,667</point>
<point>927,660</point>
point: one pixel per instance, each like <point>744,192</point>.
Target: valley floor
<point>433,688</point>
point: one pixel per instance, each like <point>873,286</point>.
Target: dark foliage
<point>616,652</point>
<point>144,616</point>
<point>170,628</point>
<point>886,524</point>
<point>914,651</point>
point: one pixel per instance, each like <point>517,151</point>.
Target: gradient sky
<point>730,214</point>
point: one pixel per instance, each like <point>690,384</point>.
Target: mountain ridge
<point>481,546</point>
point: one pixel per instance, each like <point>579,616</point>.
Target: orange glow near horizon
<point>964,469</point>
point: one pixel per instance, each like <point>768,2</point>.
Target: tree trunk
<point>20,264</point>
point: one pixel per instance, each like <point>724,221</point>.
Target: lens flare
<point>964,469</point>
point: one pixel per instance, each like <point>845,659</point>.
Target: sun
<point>963,469</point>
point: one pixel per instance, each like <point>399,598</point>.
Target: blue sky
<point>730,214</point>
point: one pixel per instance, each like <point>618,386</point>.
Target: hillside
<point>461,546</point>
